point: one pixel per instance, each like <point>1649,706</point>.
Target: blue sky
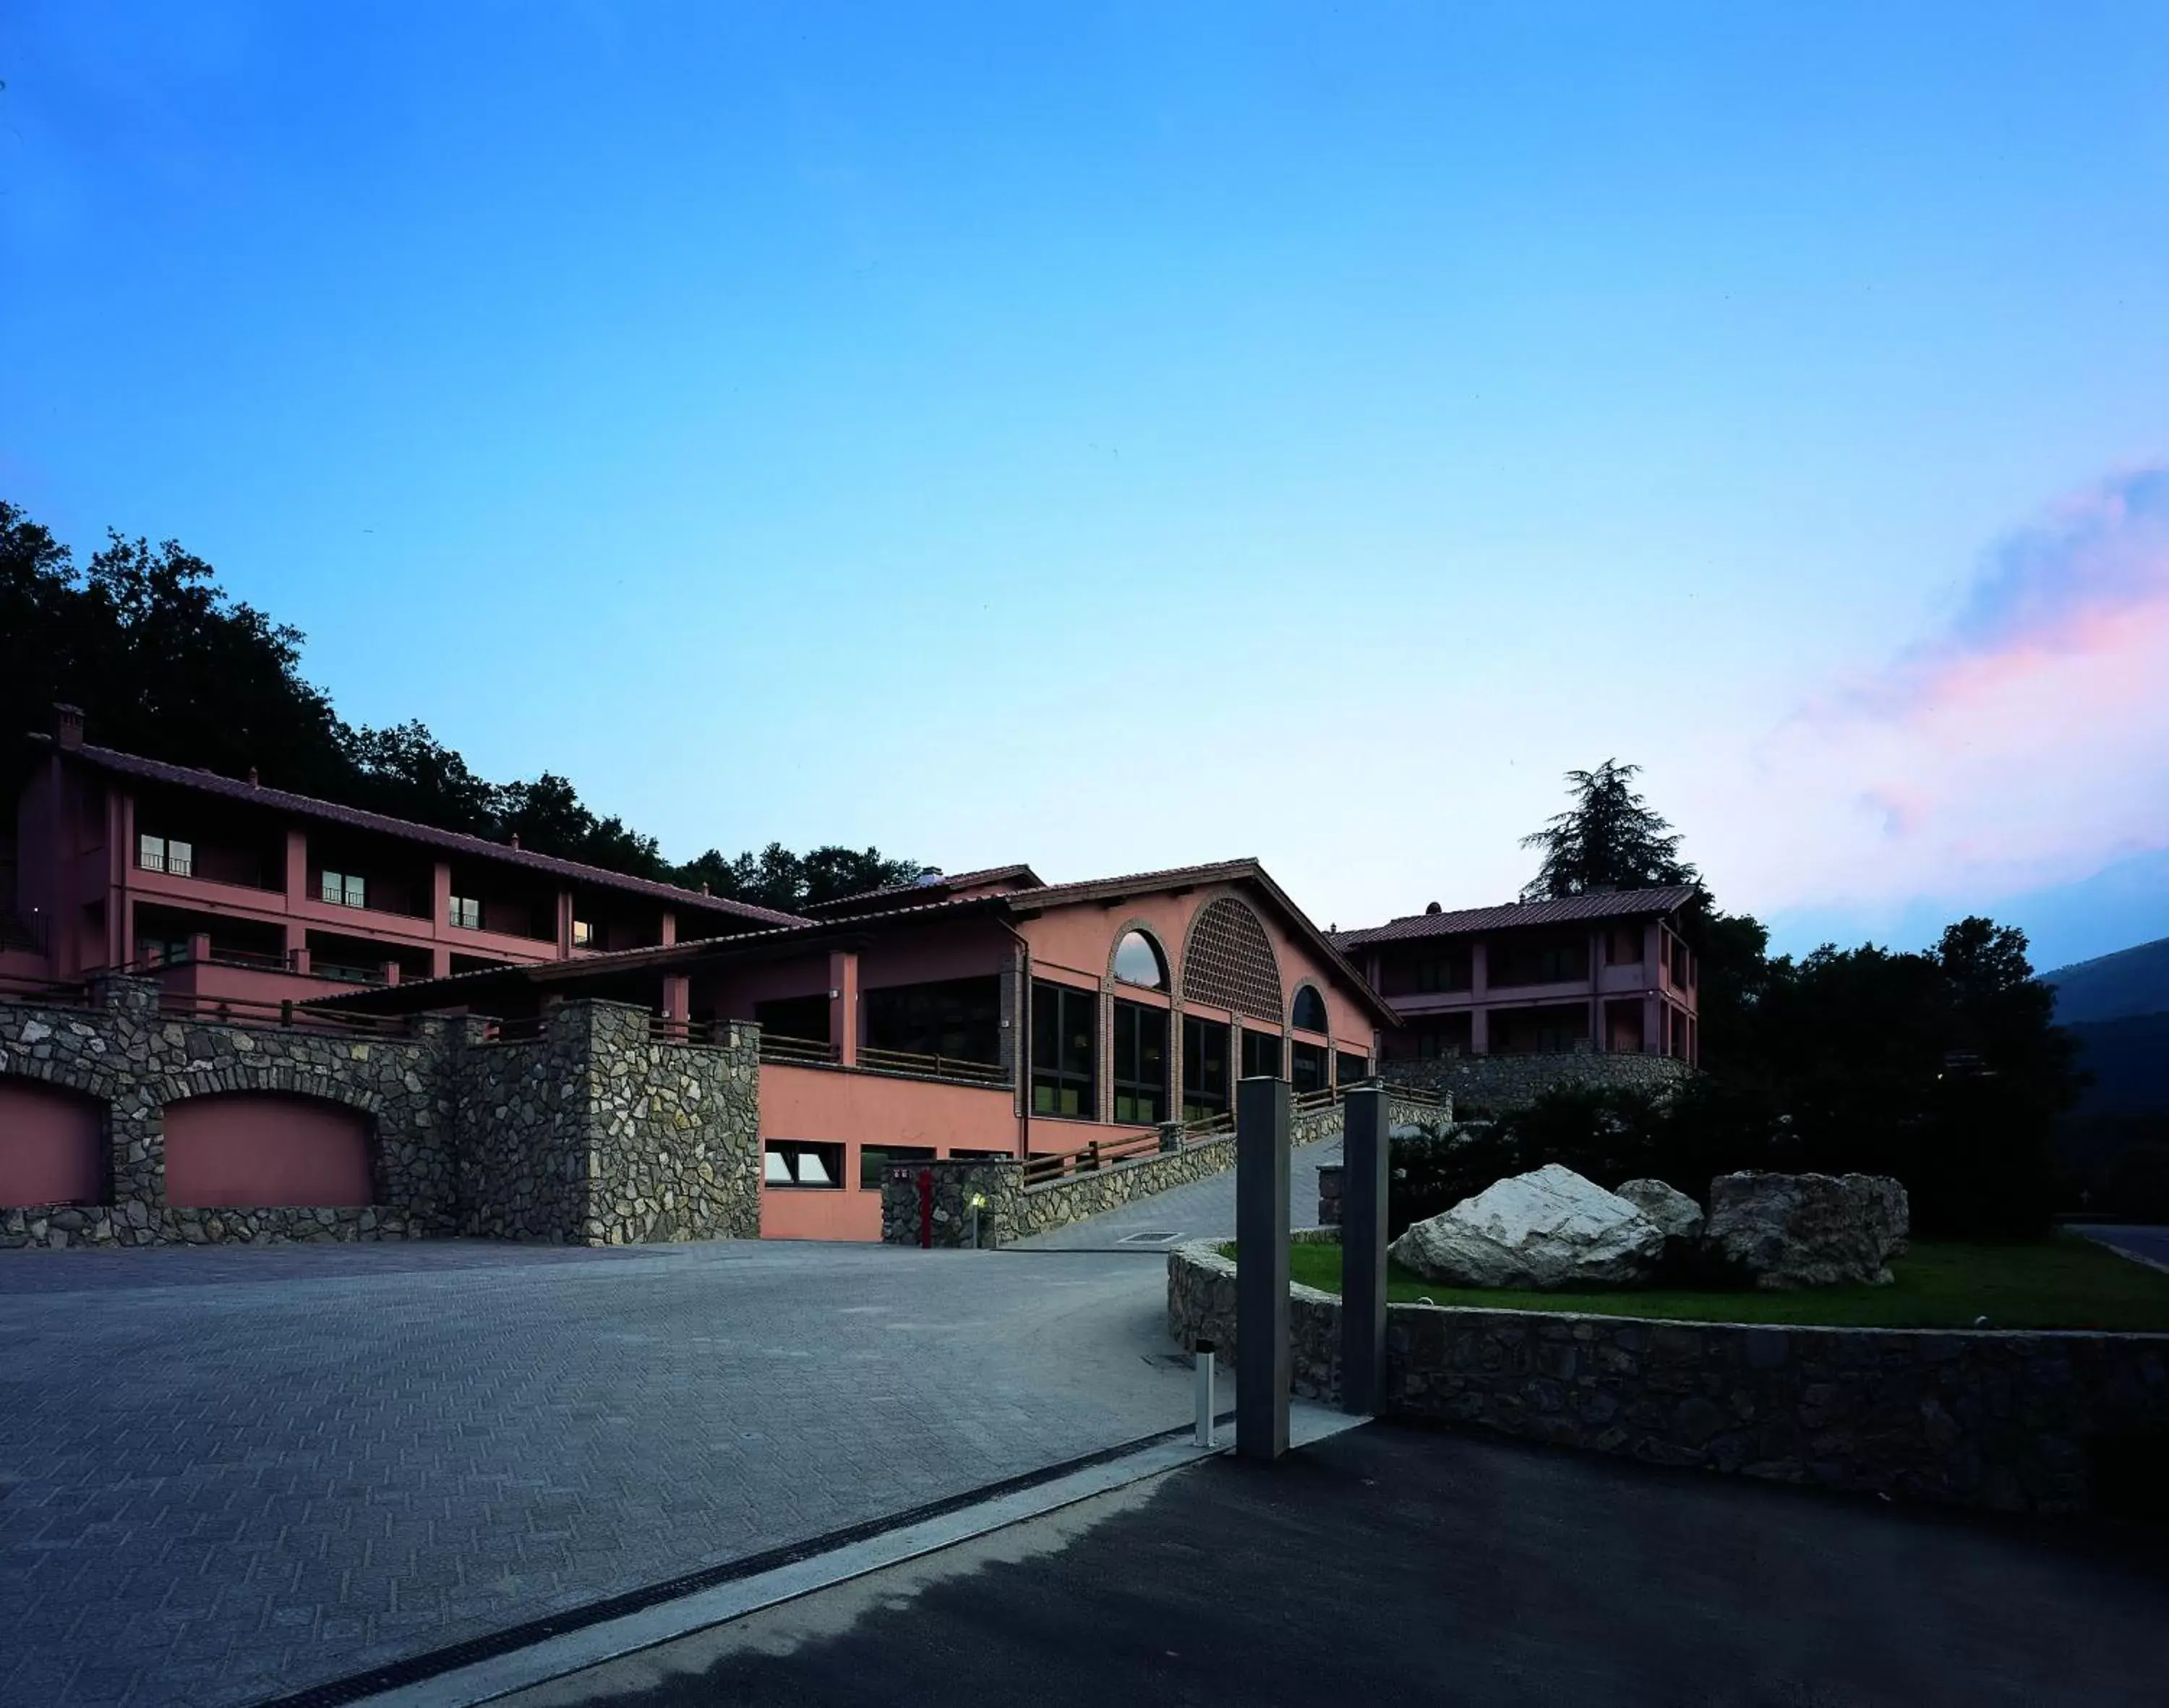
<point>1117,438</point>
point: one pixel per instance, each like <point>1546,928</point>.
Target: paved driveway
<point>2151,1243</point>
<point>227,1475</point>
<point>1202,1210</point>
<point>1392,1565</point>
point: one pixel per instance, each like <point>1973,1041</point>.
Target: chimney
<point>1434,908</point>
<point>252,781</point>
<point>704,886</point>
<point>515,839</point>
<point>67,727</point>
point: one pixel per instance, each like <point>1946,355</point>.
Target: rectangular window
<point>1065,1024</point>
<point>583,934</point>
<point>1448,971</point>
<point>1204,1069</point>
<point>1261,1054</point>
<point>794,1016</point>
<point>466,912</point>
<point>958,1018</point>
<point>1351,1069</point>
<point>1307,1066</point>
<point>165,854</point>
<point>795,1163</point>
<point>874,1161</point>
<point>1140,1073</point>
<point>344,889</point>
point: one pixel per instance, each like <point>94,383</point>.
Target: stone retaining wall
<point>1013,1211</point>
<point>2008,1419</point>
<point>590,1135</point>
<point>1496,1083</point>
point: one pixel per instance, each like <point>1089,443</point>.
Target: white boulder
<point>1547,1229</point>
<point>1673,1210</point>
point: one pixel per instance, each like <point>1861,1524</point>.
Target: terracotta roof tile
<point>480,847</point>
<point>1610,903</point>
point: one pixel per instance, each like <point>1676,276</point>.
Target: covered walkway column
<point>844,1005</point>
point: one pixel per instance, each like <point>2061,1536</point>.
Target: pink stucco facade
<point>250,893</point>
<point>254,1150</point>
<point>52,1146</point>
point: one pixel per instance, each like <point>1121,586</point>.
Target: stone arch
<point>280,1078</point>
<point>1228,961</point>
<point>1150,933</point>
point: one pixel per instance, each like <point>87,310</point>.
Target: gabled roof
<point>1567,909</point>
<point>182,776</point>
<point>939,886</point>
<point>486,983</point>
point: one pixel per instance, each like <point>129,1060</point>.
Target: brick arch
<point>1295,999</point>
<point>1145,927</point>
<point>1228,961</point>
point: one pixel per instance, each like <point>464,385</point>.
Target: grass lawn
<point>2064,1281</point>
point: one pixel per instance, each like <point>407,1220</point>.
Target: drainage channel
<point>359,1687</point>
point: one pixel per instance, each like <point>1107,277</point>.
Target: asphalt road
<point>226,1474</point>
<point>1393,1565</point>
<point>2151,1243</point>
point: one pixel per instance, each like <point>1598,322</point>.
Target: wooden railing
<point>1087,1158</point>
<point>796,1051</point>
<point>936,1067</point>
<point>249,1010</point>
<point>524,1029</point>
<point>664,1028</point>
<point>60,993</point>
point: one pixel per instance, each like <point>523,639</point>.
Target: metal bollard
<point>1205,1393</point>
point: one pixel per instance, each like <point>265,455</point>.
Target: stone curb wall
<point>2006,1419</point>
<point>1502,1082</point>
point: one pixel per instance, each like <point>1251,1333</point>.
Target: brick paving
<point>228,1475</point>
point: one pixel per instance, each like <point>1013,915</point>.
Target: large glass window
<point>959,1018</point>
<point>794,1016</point>
<point>1261,1054</point>
<point>344,890</point>
<point>1351,1069</point>
<point>1307,1066</point>
<point>1308,1014</point>
<point>165,854</point>
<point>466,912</point>
<point>1140,1070</point>
<point>1138,961</point>
<point>1065,1023</point>
<point>1204,1069</point>
<point>1448,969</point>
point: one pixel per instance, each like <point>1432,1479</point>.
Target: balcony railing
<point>932,1067</point>
<point>796,1051</point>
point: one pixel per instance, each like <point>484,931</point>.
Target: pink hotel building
<point>988,1013</point>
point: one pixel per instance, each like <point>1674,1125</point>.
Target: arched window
<point>1138,961</point>
<point>1309,1015</point>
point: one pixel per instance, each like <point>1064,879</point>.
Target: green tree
<point>1608,839</point>
<point>164,664</point>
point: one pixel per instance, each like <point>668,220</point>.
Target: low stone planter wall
<point>57,1227</point>
<point>2008,1419</point>
<point>1500,1082</point>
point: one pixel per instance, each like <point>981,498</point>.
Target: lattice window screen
<point>1229,962</point>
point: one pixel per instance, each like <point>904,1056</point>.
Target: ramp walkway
<point>1203,1209</point>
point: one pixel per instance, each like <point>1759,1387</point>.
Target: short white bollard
<point>1205,1393</point>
